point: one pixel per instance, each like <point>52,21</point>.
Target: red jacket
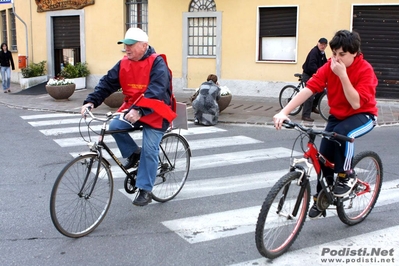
<point>134,77</point>
<point>363,79</point>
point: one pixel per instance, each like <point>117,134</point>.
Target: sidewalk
<point>242,109</point>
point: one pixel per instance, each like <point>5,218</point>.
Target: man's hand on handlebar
<point>278,120</point>
<point>133,115</point>
<point>84,107</point>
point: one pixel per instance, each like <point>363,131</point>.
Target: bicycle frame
<point>312,158</point>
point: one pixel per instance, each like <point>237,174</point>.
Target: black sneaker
<point>344,184</point>
<point>314,212</point>
<point>133,159</point>
<point>144,197</point>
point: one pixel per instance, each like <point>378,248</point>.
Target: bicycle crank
<point>322,202</point>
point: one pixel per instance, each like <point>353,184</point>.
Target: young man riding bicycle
<point>351,86</point>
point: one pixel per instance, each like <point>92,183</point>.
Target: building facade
<point>254,46</point>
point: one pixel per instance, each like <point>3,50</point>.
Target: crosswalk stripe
<point>226,159</point>
<point>68,130</point>
<point>212,226</point>
<point>56,122</point>
<point>386,238</point>
<point>194,144</point>
<point>220,159</point>
<point>43,116</point>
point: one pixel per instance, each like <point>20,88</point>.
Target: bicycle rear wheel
<point>173,169</point>
<point>287,93</point>
<point>323,106</point>
<point>278,225</point>
<point>355,208</point>
<point>76,210</point>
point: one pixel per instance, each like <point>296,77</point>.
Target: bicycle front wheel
<point>282,215</point>
<point>173,169</point>
<point>79,201</point>
<point>287,93</point>
<point>355,208</point>
<point>324,108</point>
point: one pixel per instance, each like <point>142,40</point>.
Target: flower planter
<point>80,83</point>
<point>224,102</point>
<point>115,100</point>
<point>30,82</point>
<point>61,92</point>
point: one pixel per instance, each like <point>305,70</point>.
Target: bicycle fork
<point>302,181</point>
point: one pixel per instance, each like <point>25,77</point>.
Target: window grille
<point>202,5</point>
<point>137,14</point>
<point>13,31</point>
<point>202,30</point>
<point>4,26</point>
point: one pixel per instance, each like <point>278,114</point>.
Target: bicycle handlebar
<point>108,116</point>
<point>310,131</point>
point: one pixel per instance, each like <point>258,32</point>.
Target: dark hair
<point>2,45</point>
<point>349,41</point>
<point>212,77</point>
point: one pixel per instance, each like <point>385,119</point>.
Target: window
<point>277,33</point>
<point>137,14</point>
<point>202,5</point>
<point>4,26</point>
<point>202,30</point>
<point>13,31</point>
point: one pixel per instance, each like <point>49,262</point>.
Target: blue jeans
<point>147,171</point>
<point>6,77</point>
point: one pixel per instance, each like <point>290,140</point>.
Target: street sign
<point>5,1</point>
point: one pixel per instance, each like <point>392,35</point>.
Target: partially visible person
<point>315,59</point>
<point>205,105</point>
<point>351,87</point>
<point>6,62</point>
<point>146,81</point>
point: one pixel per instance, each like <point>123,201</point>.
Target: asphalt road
<point>209,223</point>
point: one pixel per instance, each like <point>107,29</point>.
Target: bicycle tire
<point>74,213</point>
<point>358,205</point>
<point>173,169</point>
<point>287,93</point>
<point>275,233</point>
<point>323,106</point>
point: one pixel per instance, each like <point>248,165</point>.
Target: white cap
<point>134,35</point>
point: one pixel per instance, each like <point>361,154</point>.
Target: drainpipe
<point>26,31</point>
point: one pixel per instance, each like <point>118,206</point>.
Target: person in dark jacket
<point>145,80</point>
<point>315,59</point>
<point>6,62</point>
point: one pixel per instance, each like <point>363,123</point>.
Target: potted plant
<point>33,74</point>
<point>77,73</point>
<point>225,98</point>
<point>115,100</point>
<point>60,88</point>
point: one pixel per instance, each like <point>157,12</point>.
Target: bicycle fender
<point>94,153</point>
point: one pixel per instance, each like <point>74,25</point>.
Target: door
<point>66,34</point>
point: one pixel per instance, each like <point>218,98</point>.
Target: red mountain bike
<point>284,210</point>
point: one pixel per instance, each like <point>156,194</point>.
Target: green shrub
<point>75,71</point>
<point>34,70</point>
